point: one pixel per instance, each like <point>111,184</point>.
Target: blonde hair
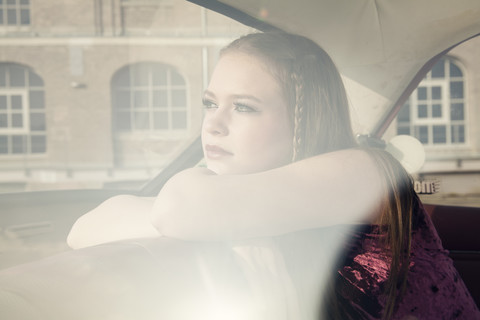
<point>319,112</point>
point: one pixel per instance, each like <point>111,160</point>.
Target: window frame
<point>447,101</point>
<point>150,88</point>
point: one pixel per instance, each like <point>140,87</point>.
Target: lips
<point>216,152</point>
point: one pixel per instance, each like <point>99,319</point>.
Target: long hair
<point>319,112</point>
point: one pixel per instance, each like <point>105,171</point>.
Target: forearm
<point>341,187</point>
<point>118,218</point>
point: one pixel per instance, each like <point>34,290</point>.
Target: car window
<point>101,96</point>
<point>443,114</point>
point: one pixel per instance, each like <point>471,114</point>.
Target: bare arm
<point>334,188</point>
<point>118,218</point>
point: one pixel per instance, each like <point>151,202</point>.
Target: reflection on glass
<point>456,111</point>
<point>37,99</point>
<point>438,70</point>
<point>422,111</point>
<point>422,133</point>
<point>160,98</point>
<point>141,121</point>
<point>24,17</point>
<point>3,121</point>
<point>437,111</point>
<point>455,71</point>
<point>17,76</point>
<point>38,144</point>
<point>458,133</point>
<point>18,145</point>
<point>456,89</point>
<point>17,120</point>
<point>179,119</point>
<point>122,121</point>
<point>422,93</point>
<point>16,102</point>
<point>160,120</point>
<point>436,93</point>
<point>3,102</point>
<point>3,144</point>
<point>37,121</point>
<point>439,134</point>
<point>179,98</point>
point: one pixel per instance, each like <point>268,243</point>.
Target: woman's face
<point>246,128</point>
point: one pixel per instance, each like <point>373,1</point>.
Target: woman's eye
<point>244,108</point>
<point>209,104</point>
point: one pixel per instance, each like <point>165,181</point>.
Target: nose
<point>216,122</point>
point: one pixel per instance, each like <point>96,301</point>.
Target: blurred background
<point>105,93</point>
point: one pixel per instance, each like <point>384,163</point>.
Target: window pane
<point>456,111</point>
<point>3,75</point>
<point>142,121</point>
<point>160,120</point>
<point>179,98</point>
<point>439,134</point>
<point>17,120</point>
<point>38,144</point>
<point>422,111</point>
<point>436,93</point>
<point>437,111</point>
<point>24,17</point>
<point>3,102</point>
<point>16,102</point>
<point>160,99</point>
<point>34,80</point>
<point>18,145</point>
<point>438,70</point>
<point>24,1</point>
<point>177,79</point>
<point>422,134</point>
<point>179,120</point>
<point>403,130</point>
<point>140,75</point>
<point>10,1</point>
<point>159,75</point>
<point>11,16</point>
<point>458,133</point>
<point>422,93</point>
<point>122,100</point>
<point>1,17</point>
<point>456,90</point>
<point>404,113</point>
<point>122,121</point>
<point>37,122</point>
<point>140,99</point>
<point>455,71</point>
<point>3,144</point>
<point>122,79</point>
<point>3,121</point>
<point>17,76</point>
<point>37,99</point>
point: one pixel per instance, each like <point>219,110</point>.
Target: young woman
<point>281,157</point>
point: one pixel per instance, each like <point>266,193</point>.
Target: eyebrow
<point>235,96</point>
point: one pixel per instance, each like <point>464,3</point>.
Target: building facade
<point>101,91</point>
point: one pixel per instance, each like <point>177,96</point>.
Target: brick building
<point>101,91</point>
<point>106,91</point>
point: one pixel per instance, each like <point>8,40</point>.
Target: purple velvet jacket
<point>434,287</point>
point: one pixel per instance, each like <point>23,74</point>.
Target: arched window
<point>149,97</point>
<point>22,111</point>
<point>435,112</point>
